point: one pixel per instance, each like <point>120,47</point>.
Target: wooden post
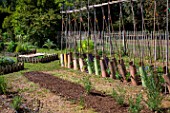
<point>133,72</point>
<point>103,68</point>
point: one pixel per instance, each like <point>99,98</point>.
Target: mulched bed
<point>96,100</point>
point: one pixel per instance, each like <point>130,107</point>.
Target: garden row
<point>7,65</point>
<point>116,69</point>
<point>40,59</point>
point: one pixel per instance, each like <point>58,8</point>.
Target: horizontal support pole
<point>94,6</point>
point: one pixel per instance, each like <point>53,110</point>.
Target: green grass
<point>43,50</point>
<point>42,66</point>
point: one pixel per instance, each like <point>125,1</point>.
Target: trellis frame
<point>94,6</point>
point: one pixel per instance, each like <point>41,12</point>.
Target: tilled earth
<point>96,100</point>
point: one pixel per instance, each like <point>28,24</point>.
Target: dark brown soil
<point>96,100</point>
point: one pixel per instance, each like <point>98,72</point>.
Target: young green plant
<point>135,104</point>
<point>16,102</point>
<point>3,85</point>
<point>87,84</point>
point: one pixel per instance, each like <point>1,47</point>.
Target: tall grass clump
<point>16,103</point>
<point>3,85</point>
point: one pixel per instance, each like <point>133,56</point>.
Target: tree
<point>34,20</point>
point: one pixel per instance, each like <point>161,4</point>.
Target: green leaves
<point>49,44</point>
<point>34,20</point>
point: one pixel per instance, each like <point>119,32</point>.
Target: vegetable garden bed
<point>37,58</point>
<point>11,68</point>
<point>8,65</point>
<point>74,92</point>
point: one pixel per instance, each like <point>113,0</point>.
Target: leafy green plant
<point>87,84</point>
<point>153,91</point>
<point>24,47</point>
<point>100,52</point>
<point>84,46</point>
<point>118,97</point>
<point>6,61</point>
<point>11,46</point>
<point>3,85</point>
<point>117,75</point>
<point>16,102</point>
<point>135,105</point>
<point>49,44</point>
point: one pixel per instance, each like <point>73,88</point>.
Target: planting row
<point>115,69</point>
<point>39,59</point>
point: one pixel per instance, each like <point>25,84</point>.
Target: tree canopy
<point>38,20</point>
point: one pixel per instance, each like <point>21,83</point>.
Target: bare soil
<point>96,100</point>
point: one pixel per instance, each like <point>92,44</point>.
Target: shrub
<point>11,47</point>
<point>135,105</point>
<point>3,85</point>
<point>19,48</point>
<point>24,47</point>
<point>49,44</point>
<point>6,61</point>
<point>153,91</point>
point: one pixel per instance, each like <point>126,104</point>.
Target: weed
<point>135,105</point>
<point>87,84</point>
<point>16,103</point>
<point>3,85</point>
<point>81,101</point>
<point>118,97</point>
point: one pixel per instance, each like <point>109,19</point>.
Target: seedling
<point>81,101</point>
<point>135,104</point>
<point>87,84</point>
<point>16,103</point>
<point>118,97</point>
<point>3,85</point>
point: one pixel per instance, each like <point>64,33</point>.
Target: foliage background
<point>36,21</point>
